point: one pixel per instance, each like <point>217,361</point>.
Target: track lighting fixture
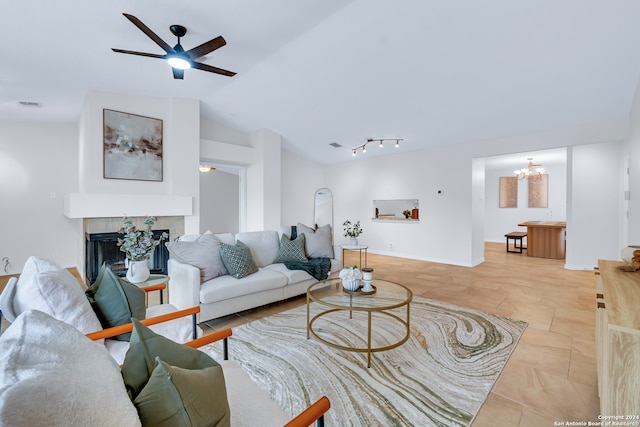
<point>380,141</point>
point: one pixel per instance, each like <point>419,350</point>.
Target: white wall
<point>220,202</point>
<point>499,221</point>
<point>263,182</point>
<point>449,227</point>
<point>38,166</point>
<point>301,178</point>
<point>594,196</point>
<point>633,155</point>
<point>443,232</point>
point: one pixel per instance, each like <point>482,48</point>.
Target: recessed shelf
<point>394,210</point>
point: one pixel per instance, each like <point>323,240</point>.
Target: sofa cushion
<point>291,250</point>
<point>202,252</point>
<point>264,245</point>
<point>178,397</point>
<point>238,259</point>
<point>53,375</point>
<point>115,301</point>
<point>293,276</point>
<point>225,287</point>
<point>250,405</point>
<point>45,286</point>
<point>318,241</point>
<point>145,346</point>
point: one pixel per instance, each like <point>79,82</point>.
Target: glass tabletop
<point>387,295</point>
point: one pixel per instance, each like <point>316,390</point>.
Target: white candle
<point>367,274</point>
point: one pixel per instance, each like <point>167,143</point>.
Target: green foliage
<point>351,230</point>
<point>138,244</point>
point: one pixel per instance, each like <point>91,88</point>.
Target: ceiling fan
<point>176,56</point>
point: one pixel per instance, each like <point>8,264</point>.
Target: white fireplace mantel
<point>96,205</point>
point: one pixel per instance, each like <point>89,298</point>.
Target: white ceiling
<point>430,71</point>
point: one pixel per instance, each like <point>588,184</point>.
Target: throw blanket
<point>319,268</point>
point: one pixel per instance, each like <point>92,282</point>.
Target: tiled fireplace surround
<point>175,225</point>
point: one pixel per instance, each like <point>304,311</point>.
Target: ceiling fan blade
<point>131,52</point>
<point>178,73</point>
<point>153,36</point>
<point>208,47</point>
<point>209,68</point>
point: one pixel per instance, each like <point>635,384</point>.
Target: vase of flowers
<point>350,278</point>
<point>138,245</point>
<point>352,230</point>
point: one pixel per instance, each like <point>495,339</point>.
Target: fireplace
<point>102,248</point>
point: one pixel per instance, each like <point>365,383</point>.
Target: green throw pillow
<point>238,259</point>
<point>291,250</point>
<point>145,346</point>
<point>176,397</point>
<point>115,301</point>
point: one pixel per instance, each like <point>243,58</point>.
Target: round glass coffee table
<point>384,303</point>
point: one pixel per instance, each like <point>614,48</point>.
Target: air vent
<point>335,145</point>
<point>29,104</point>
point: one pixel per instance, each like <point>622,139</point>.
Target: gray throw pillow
<point>203,252</point>
<point>291,250</point>
<point>318,241</point>
<point>238,259</point>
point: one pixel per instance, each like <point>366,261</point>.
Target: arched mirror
<point>323,208</point>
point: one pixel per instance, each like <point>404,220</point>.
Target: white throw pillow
<point>51,374</point>
<point>43,285</point>
<point>318,241</point>
<point>264,245</point>
<point>6,300</point>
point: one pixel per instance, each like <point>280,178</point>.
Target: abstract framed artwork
<point>132,146</point>
<point>508,197</point>
<point>539,191</point>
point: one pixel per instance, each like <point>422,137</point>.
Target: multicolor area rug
<point>439,377</point>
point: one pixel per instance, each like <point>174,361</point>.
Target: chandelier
<point>380,142</point>
<point>529,172</point>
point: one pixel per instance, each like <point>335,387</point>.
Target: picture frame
<point>508,195</point>
<point>539,191</point>
<point>132,146</point>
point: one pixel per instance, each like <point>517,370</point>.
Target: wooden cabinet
<point>618,339</point>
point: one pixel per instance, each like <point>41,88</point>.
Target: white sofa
<point>224,294</point>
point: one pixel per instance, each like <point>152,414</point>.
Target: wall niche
<point>396,210</point>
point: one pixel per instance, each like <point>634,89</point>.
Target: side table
<point>359,248</point>
<point>155,282</point>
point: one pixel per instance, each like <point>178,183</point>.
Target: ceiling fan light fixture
<point>179,61</point>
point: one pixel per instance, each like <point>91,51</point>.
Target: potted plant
<point>406,213</point>
<point>138,245</point>
<point>350,277</point>
<point>352,230</point>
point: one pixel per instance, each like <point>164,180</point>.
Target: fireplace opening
<point>102,248</point>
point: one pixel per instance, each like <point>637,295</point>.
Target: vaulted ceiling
<point>432,72</point>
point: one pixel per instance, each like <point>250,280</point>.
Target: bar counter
<point>546,239</point>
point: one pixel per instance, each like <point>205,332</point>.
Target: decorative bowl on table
<point>351,284</point>
<point>350,278</point>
